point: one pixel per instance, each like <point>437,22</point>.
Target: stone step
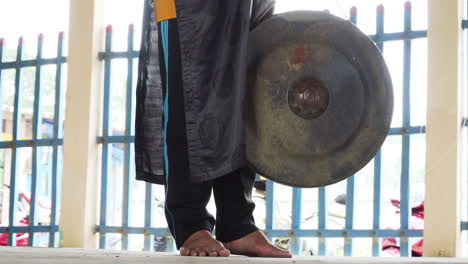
<point>22,255</point>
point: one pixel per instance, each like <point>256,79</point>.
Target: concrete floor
<point>19,255</point>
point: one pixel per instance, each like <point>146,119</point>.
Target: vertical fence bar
<point>36,171</point>
<point>376,242</point>
<point>377,201</point>
<point>323,220</point>
<point>14,151</point>
<point>58,133</point>
<point>380,26</point>
<point>296,219</point>
<point>270,207</point>
<point>405,181</point>
<point>349,224</point>
<point>106,156</point>
<point>353,15</point>
<point>128,159</point>
<point>149,209</point>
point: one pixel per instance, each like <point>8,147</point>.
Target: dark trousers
<point>186,201</point>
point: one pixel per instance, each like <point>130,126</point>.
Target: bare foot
<point>203,244</point>
<point>256,244</point>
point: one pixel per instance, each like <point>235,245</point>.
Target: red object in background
<point>417,211</point>
<point>21,238</point>
<point>390,245</point>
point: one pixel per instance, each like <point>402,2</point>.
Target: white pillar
<point>81,170</point>
<point>442,236</point>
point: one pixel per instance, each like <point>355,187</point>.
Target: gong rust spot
<point>299,55</point>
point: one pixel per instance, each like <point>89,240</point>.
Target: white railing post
<point>442,235</point>
<point>81,174</point>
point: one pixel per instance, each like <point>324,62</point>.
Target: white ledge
<point>21,255</point>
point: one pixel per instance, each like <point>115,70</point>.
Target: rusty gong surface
<point>319,101</point>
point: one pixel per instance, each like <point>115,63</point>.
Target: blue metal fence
<point>53,140</point>
<point>406,131</point>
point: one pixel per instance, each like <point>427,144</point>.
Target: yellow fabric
<point>165,9</point>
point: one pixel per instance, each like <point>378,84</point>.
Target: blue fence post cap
<point>408,5</point>
<point>380,9</point>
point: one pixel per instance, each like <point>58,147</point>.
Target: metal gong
<point>319,101</point>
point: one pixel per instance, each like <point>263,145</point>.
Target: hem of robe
<point>142,175</point>
<point>149,177</point>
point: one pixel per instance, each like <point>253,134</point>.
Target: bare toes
<point>224,253</point>
<point>201,252</point>
<point>184,251</point>
<point>213,254</point>
<point>208,251</point>
<point>278,252</point>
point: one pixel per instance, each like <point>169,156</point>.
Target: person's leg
<point>235,225</point>
<point>185,208</point>
<point>234,205</point>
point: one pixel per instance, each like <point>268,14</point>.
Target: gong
<point>319,101</point>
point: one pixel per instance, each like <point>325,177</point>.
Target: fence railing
<point>54,141</point>
<point>323,232</point>
<point>29,224</point>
